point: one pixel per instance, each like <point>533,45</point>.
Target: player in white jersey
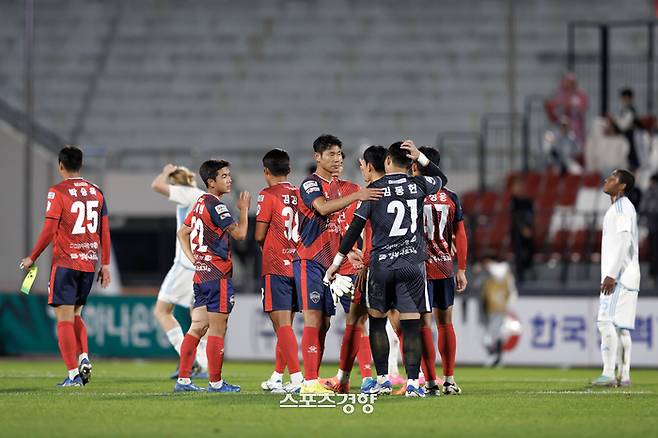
<point>178,184</point>
<point>620,280</point>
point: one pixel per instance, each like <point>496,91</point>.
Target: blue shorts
<point>346,302</point>
<point>69,286</point>
<point>217,295</point>
<point>442,292</point>
<point>279,293</point>
<point>312,293</point>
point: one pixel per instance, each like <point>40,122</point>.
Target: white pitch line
<point>583,392</point>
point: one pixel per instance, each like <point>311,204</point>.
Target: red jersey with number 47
<point>79,207</point>
<point>441,212</point>
<point>209,219</point>
<point>278,206</point>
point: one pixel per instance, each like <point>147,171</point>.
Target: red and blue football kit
<point>345,217</point>
<point>442,213</point>
<point>278,207</point>
<point>77,223</point>
<point>213,286</point>
<point>319,239</point>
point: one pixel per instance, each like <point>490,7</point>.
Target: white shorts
<point>177,287</point>
<point>618,308</point>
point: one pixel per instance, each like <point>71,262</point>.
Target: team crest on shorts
<point>315,297</point>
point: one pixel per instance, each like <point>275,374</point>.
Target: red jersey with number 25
<point>79,206</point>
<point>209,219</point>
<point>278,206</point>
<point>441,212</point>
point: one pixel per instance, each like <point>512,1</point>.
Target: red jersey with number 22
<point>209,219</point>
<point>278,206</point>
<point>79,206</point>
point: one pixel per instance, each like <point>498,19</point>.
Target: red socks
<point>187,355</point>
<point>287,348</point>
<point>215,353</point>
<point>447,348</point>
<point>365,355</point>
<point>67,343</point>
<point>429,354</point>
<point>311,352</point>
<point>348,348</point>
<point>322,335</point>
<point>279,363</point>
<point>80,335</point>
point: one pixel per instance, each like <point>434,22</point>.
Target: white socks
<point>624,354</point>
<point>342,376</point>
<point>216,385</point>
<point>73,373</point>
<point>175,336</point>
<point>82,356</point>
<point>449,379</point>
<point>412,382</point>
<point>609,342</point>
<point>201,357</point>
<point>393,351</point>
<point>184,380</point>
<point>381,379</point>
<point>276,377</point>
<point>296,378</point>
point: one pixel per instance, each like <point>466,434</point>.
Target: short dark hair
<point>399,155</point>
<point>277,161</point>
<point>375,155</point>
<point>325,141</point>
<point>626,177</point>
<point>71,158</point>
<point>626,92</point>
<point>432,154</point>
<point>210,168</point>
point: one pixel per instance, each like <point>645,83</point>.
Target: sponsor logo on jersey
<point>221,208</point>
<point>311,186</point>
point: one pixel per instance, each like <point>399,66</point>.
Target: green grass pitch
<point>135,398</point>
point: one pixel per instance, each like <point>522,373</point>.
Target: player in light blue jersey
<point>178,184</point>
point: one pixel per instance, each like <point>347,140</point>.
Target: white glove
<point>341,286</point>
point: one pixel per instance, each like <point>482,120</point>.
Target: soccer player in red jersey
<point>204,239</point>
<point>443,219</point>
<point>277,232</point>
<point>319,238</point>
<point>356,343</point>
<point>77,224</point>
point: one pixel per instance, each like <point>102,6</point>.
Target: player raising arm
<point>178,184</point>
<point>204,239</point>
<point>77,223</point>
<point>319,238</point>
<point>396,275</point>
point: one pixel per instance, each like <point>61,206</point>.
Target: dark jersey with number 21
<point>397,219</point>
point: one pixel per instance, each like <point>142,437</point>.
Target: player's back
<point>209,239</point>
<point>278,205</point>
<point>79,206</point>
<point>441,212</point>
<point>397,219</point>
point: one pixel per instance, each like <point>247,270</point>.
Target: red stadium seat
<point>489,203</point>
<point>469,202</point>
<point>592,180</point>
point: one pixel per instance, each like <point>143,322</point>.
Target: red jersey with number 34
<point>209,219</point>
<point>79,208</point>
<point>278,206</point>
<point>441,212</point>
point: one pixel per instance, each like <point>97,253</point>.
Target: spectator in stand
<point>649,211</point>
<point>626,123</point>
<point>561,148</point>
<point>572,102</point>
<point>522,220</point>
